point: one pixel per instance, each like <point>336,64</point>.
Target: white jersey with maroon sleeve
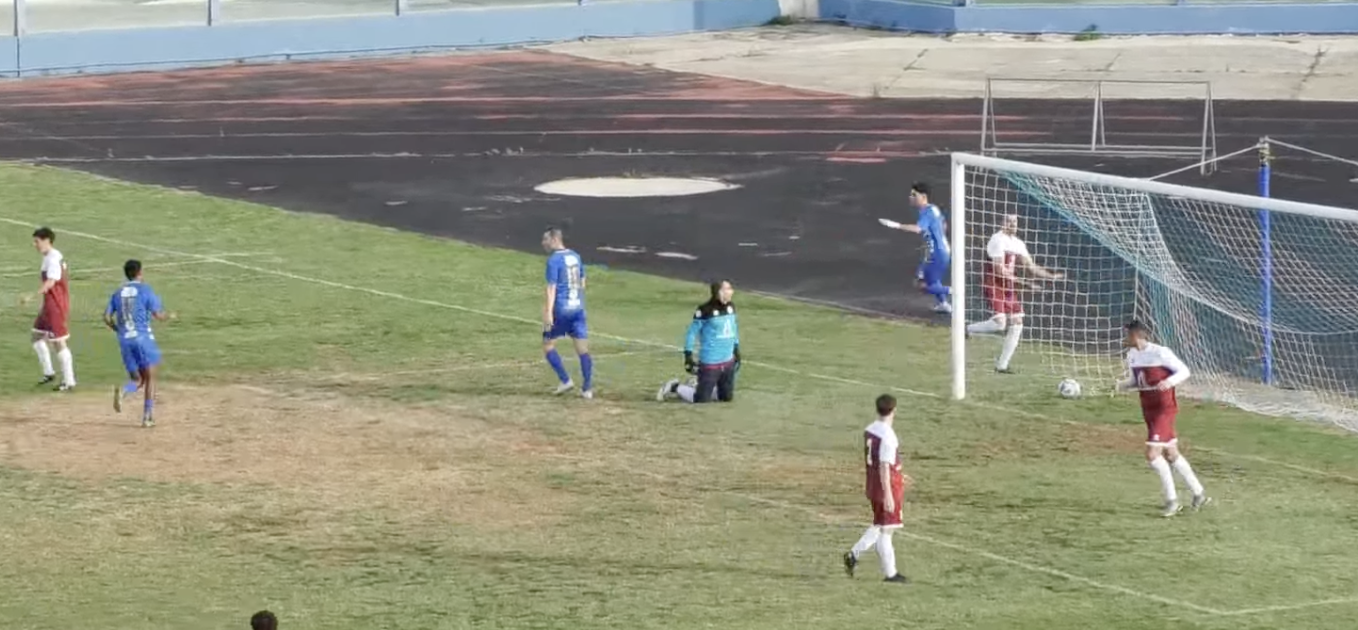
<point>56,303</point>
<point>1003,249</point>
<point>1003,252</point>
<point>1152,366</point>
<point>880,446</point>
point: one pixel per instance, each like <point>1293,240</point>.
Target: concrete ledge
<point>180,47</point>
<point>1204,19</point>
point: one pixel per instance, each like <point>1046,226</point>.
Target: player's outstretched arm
<point>1040,271</point>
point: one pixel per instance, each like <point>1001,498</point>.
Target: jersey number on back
<point>867,451</point>
<point>129,305</point>
<point>572,280</point>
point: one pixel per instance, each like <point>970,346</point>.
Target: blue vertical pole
<point>1266,260</point>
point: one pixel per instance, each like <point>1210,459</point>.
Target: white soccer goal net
<point>1258,296</point>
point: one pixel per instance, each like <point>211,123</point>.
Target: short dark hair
<point>921,188</point>
<point>553,231</point>
<point>46,234</point>
<point>1136,327</point>
<point>131,268</point>
<point>715,286</point>
<point>886,405</point>
<point>264,620</point>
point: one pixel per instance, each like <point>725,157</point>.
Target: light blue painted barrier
<point>63,52</point>
<point>1129,19</point>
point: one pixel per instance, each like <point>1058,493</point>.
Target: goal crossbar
<point>1151,186</point>
<point>1204,150</point>
<point>959,213</point>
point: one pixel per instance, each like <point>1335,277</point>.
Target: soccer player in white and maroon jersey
<point>885,490</point>
<point>1155,372</point>
<point>51,327</point>
<point>1003,253</point>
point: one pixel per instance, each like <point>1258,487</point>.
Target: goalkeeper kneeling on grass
<point>717,336</point>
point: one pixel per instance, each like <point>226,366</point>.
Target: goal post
<point>1098,93</point>
<point>1193,263</point>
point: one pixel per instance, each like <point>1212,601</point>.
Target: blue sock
<point>146,410</point>
<point>939,292</point>
<point>130,387</point>
<point>554,360</point>
<point>587,371</point>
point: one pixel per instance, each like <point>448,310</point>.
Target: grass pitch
<point>355,432</point>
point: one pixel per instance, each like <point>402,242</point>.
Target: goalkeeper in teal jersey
<point>717,336</point>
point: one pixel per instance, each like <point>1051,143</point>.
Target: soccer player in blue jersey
<point>717,336</point>
<point>129,313</point>
<point>563,312</point>
<point>937,254</point>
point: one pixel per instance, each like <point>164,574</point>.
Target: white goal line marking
<point>524,320</point>
<point>659,346</point>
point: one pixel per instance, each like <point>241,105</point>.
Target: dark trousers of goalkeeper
<point>717,381</point>
<point>714,382</point>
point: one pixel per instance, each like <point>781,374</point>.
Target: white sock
<point>1186,473</point>
<point>985,327</point>
<point>886,553</point>
<point>867,541</point>
<point>686,392</point>
<point>1161,467</point>
<point>67,366</point>
<point>1011,340</point>
<point>44,357</point>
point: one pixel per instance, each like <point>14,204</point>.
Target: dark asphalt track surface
<point>453,146</point>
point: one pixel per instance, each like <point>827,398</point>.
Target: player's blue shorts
<point>568,325</point>
<point>139,353</point>
<point>933,271</point>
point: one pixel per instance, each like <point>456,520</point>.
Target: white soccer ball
<point>1069,388</point>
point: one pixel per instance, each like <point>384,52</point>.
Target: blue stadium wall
<point>1128,19</point>
<point>48,53</point>
<point>122,50</point>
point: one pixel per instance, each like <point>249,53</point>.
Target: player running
<point>937,256</point>
<point>1156,371</point>
<point>715,331</point>
<point>51,329</point>
<point>1003,253</point>
<point>885,491</point>
<point>563,312</point>
<point>130,311</point>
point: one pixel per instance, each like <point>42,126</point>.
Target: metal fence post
<point>20,17</point>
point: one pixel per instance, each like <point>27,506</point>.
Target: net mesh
<point>1190,268</point>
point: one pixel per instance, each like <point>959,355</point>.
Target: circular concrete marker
<point>632,187</point>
